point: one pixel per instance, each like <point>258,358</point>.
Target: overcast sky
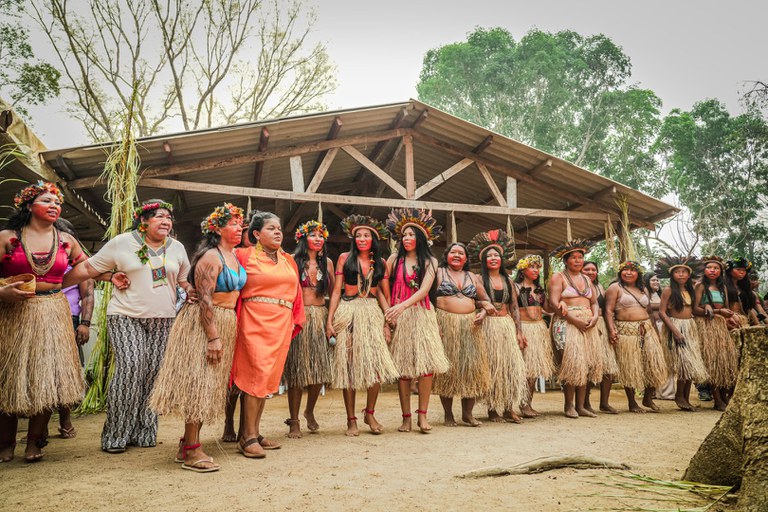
<point>683,50</point>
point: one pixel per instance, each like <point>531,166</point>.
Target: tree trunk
<point>736,450</point>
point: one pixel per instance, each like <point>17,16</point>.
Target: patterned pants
<point>139,345</point>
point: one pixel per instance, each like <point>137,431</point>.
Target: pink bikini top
<point>15,263</point>
<point>570,292</point>
<point>402,291</point>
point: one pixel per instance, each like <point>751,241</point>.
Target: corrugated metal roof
<point>439,142</point>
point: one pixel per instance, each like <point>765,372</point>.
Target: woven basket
<point>28,280</point>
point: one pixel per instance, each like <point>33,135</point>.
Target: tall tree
<point>561,92</point>
<point>24,79</point>
<point>718,166</point>
<point>196,63</point>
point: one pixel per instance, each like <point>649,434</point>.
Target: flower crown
<point>148,207</point>
<point>739,262</point>
<point>529,261</point>
<point>401,218</point>
<point>308,227</point>
<point>494,239</point>
<point>580,245</point>
<point>631,265</point>
<point>352,223</point>
<point>712,259</point>
<point>666,265</point>
<point>31,192</point>
<point>220,217</point>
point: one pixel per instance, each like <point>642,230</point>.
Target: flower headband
<point>494,239</point>
<point>579,245</point>
<point>352,223</point>
<point>310,226</point>
<point>530,261</point>
<point>631,265</point>
<point>401,218</point>
<point>31,192</point>
<point>220,217</point>
<point>740,263</point>
<point>149,207</point>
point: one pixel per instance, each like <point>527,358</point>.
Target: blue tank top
<point>717,297</point>
<point>229,280</point>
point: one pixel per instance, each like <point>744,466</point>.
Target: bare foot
<point>588,407</point>
<point>352,430</point>
<point>294,429</point>
<point>570,412</point>
<point>511,417</point>
<point>683,405</point>
<point>370,420</point>
<point>720,406</point>
<point>312,424</point>
<point>608,409</point>
<point>6,451</point>
<point>34,452</point>
<point>406,426</point>
<point>229,435</point>
<point>528,412</point>
<point>583,411</point>
<point>636,408</point>
<point>470,420</point>
<point>494,417</point>
<point>450,421</point>
<point>422,422</point>
<point>651,406</point>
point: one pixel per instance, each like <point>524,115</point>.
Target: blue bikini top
<point>229,280</point>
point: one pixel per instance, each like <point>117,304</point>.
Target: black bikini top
<point>448,288</point>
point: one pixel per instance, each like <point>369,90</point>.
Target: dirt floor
<point>393,471</point>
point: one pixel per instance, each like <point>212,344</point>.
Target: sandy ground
<point>394,471</point>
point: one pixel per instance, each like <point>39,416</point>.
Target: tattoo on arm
<point>86,299</point>
<point>206,273</point>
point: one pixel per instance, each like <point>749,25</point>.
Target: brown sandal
<point>241,446</point>
<point>267,444</point>
<point>67,433</point>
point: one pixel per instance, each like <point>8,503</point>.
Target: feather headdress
<point>495,239</point>
<point>712,259</point>
<point>352,223</point>
<point>401,218</point>
<point>666,265</point>
<point>580,245</point>
<point>739,262</point>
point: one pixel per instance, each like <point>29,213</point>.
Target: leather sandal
<point>243,444</point>
<point>267,444</point>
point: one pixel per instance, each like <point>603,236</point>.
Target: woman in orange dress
<point>270,313</point>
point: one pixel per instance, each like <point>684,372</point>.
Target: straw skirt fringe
<point>580,361</point>
<point>361,358</point>
<point>309,358</point>
<point>538,355</point>
<point>607,351</point>
<point>509,386</point>
<point>187,385</point>
<point>467,352</point>
<point>640,366</point>
<point>39,364</point>
<point>684,362</point>
<point>718,351</point>
<point>416,345</point>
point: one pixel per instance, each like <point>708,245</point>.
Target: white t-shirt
<point>142,299</point>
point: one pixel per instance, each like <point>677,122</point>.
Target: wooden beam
<point>379,148</point>
<point>537,171</point>
<point>492,185</point>
<point>375,169</point>
<point>295,218</point>
<point>333,133</point>
<point>288,195</point>
<point>336,211</point>
<point>483,145</point>
<point>247,158</point>
<point>419,120</point>
<point>410,180</point>
<point>322,170</point>
<point>470,221</point>
<point>258,172</point>
<point>443,176</point>
<point>168,152</point>
<point>297,174</point>
<point>511,192</point>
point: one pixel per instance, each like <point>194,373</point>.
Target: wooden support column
<point>410,180</point>
<point>492,185</point>
<point>259,168</point>
<point>297,174</point>
<point>511,192</point>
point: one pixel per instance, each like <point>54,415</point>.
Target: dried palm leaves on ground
<point>671,496</point>
<point>545,464</point>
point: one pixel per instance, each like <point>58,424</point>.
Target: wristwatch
<point>86,323</point>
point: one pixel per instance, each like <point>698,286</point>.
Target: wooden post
<point>297,174</point>
<point>410,181</point>
<point>511,192</point>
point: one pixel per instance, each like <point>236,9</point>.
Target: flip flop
<point>67,433</point>
<point>267,444</point>
<point>194,466</point>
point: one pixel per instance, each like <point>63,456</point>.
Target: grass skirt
<point>684,362</point>
<point>538,355</point>
<point>640,366</point>
<point>607,351</point>
<point>186,384</point>
<point>416,345</point>
<point>718,351</point>
<point>509,386</point>
<point>580,360</point>
<point>39,364</point>
<point>361,358</point>
<point>309,358</point>
<point>465,347</point>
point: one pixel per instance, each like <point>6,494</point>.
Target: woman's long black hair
<point>423,257</point>
<point>647,282</point>
<point>301,257</point>
<point>719,284</point>
<point>676,297</point>
<point>740,290</point>
<point>444,260</point>
<point>505,284</point>
<point>208,242</point>
<point>350,266</point>
<point>639,283</point>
